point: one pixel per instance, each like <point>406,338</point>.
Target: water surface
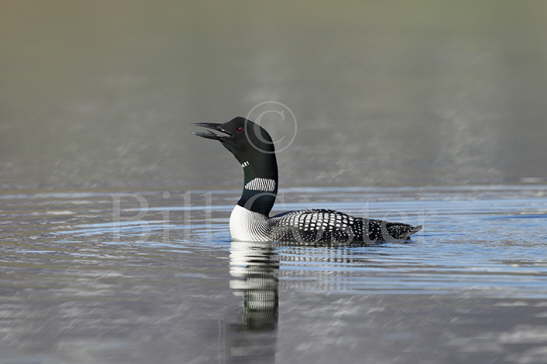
<point>164,283</point>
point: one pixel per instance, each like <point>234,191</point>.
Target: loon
<point>254,149</point>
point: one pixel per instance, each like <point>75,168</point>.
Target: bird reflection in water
<point>254,269</point>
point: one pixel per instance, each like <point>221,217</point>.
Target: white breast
<point>246,225</point>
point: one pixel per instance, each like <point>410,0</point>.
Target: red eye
<point>239,129</point>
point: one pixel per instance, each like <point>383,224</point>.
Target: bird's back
<point>320,226</point>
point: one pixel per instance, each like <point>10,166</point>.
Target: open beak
<point>214,131</point>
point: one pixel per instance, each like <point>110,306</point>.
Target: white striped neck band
<point>261,184</point>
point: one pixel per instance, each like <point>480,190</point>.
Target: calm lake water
<point>163,282</point>
<point>99,97</point>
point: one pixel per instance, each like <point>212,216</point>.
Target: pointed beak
<point>214,131</point>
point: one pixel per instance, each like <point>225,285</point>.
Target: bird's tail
<point>402,231</point>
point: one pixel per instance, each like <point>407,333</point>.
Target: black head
<point>240,136</point>
<point>254,149</point>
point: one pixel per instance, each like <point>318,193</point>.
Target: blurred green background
<point>102,94</point>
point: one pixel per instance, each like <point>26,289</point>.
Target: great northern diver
<point>249,221</point>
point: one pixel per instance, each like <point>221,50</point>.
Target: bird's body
<point>250,220</point>
<point>314,227</point>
